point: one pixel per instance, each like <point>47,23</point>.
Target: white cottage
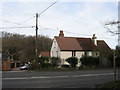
<point>65,47</point>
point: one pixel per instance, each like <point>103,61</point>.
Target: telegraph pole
<point>37,15</point>
<point>114,64</point>
<point>36,38</point>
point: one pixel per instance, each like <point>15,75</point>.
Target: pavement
<point>55,79</point>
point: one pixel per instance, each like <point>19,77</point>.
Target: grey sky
<point>76,19</point>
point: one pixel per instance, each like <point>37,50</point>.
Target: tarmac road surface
<point>63,79</point>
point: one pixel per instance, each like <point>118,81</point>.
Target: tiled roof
<point>103,47</point>
<point>45,54</point>
<point>86,44</point>
<point>76,43</point>
<point>68,43</point>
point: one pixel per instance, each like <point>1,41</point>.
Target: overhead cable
<point>15,27</point>
<point>47,8</point>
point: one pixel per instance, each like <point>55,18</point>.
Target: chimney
<point>61,35</point>
<point>94,38</point>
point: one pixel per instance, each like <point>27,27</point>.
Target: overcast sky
<point>76,19</point>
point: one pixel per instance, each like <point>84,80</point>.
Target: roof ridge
<point>75,37</point>
<point>100,40</point>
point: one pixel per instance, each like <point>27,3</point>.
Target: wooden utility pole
<point>37,15</point>
<point>114,62</point>
<point>36,41</point>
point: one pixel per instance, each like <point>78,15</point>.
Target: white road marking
<point>15,78</point>
<point>84,75</point>
<point>15,71</point>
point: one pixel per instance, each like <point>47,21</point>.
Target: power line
<point>47,8</point>
<point>26,20</point>
<point>30,17</point>
<point>17,24</point>
<point>17,14</point>
<point>9,21</point>
<point>37,15</point>
<point>64,31</point>
<point>50,29</point>
<point>15,27</point>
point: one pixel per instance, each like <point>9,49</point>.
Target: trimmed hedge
<point>89,60</point>
<point>45,62</point>
<point>72,61</point>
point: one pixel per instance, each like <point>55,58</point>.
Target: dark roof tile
<point>68,43</point>
<point>73,43</point>
<point>86,44</point>
<point>102,45</point>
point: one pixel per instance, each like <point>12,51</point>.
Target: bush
<point>46,65</point>
<point>89,60</point>
<point>72,61</point>
<point>55,61</point>
<point>110,58</point>
<point>44,62</point>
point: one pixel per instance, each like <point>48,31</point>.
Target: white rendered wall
<point>55,50</point>
<point>79,54</point>
<point>65,54</point>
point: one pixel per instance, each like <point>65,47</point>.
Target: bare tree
<point>115,24</point>
<point>113,27</point>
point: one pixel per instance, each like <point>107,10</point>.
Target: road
<point>64,79</point>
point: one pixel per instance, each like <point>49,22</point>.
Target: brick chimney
<point>61,35</point>
<point>94,38</point>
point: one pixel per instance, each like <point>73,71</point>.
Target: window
<point>73,53</point>
<point>96,54</point>
<point>85,53</point>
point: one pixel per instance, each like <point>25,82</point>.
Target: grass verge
<point>55,69</point>
<point>112,85</point>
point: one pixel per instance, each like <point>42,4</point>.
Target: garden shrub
<point>72,61</point>
<point>89,60</point>
<point>55,61</point>
<point>44,62</point>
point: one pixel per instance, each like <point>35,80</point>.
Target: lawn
<point>110,84</point>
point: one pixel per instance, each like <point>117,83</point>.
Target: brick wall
<point>6,65</point>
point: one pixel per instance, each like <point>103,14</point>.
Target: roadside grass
<point>69,69</point>
<point>110,85</point>
<point>54,69</point>
<point>94,68</point>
